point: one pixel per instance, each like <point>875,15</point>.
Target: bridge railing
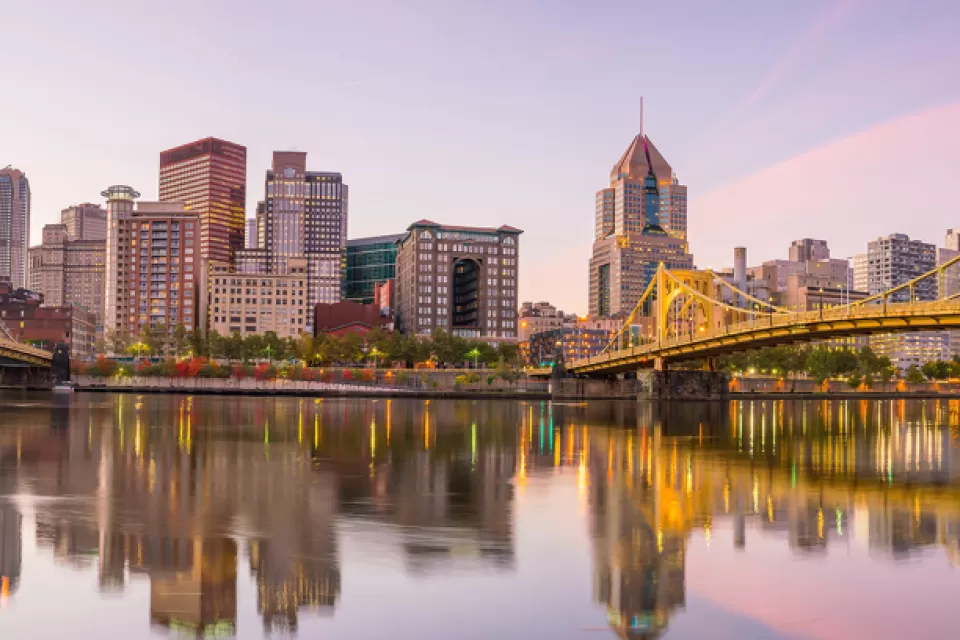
<point>25,349</point>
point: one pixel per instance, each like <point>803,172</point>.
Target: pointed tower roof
<point>639,158</point>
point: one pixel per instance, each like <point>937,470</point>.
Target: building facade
<point>640,221</point>
<point>152,264</point>
<point>210,177</point>
<point>342,318</point>
<point>253,304</point>
<point>68,271</point>
<point>14,226</point>
<point>574,342</point>
<point>370,261</point>
<point>459,279</point>
<point>29,319</point>
<point>85,222</point>
<point>860,271</point>
<point>891,261</point>
<point>250,239</point>
<point>303,215</point>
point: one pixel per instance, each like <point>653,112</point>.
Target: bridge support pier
<point>682,385</point>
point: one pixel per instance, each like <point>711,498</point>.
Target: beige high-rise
<point>68,271</point>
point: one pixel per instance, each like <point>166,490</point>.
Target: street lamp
<point>820,301</point>
<point>377,354</point>
<point>475,353</point>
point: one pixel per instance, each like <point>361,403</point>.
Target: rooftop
<point>430,223</point>
<point>359,242</point>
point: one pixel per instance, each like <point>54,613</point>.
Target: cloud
<point>896,177</point>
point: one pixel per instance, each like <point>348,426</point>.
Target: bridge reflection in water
<point>186,491</point>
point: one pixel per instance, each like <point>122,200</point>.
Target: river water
<point>125,516</point>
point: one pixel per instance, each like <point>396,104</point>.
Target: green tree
<point>179,340</point>
<point>854,380</point>
<point>820,364</point>
<point>936,370</point>
<point>217,345</point>
<point>914,375</point>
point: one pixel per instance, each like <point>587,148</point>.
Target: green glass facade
<point>369,261</point>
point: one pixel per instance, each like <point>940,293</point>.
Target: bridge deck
<point>769,329</point>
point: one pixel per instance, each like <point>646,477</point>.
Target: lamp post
<point>475,353</point>
<point>377,354</point>
<point>820,301</point>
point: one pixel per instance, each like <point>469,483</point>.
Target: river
<point>126,516</point>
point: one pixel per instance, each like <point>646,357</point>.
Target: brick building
<point>341,318</point>
<point>29,321</point>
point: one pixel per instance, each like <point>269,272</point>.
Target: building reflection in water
<point>11,526</point>
<point>176,490</point>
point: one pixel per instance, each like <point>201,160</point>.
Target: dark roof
<point>430,223</point>
<point>359,242</point>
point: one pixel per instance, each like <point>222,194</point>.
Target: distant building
<point>68,270</point>
<point>250,240</point>
<point>29,320</point>
<point>14,226</point>
<point>370,261</point>
<point>894,260</point>
<point>253,304</point>
<point>210,177</point>
<point>152,264</point>
<point>860,272</point>
<point>341,318</point>
<point>383,296</point>
<point>575,342</point>
<point>640,222</point>
<point>537,317</point>
<point>85,222</point>
<point>459,279</point>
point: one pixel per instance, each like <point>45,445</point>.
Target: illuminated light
<point>839,523</point>
<point>473,445</point>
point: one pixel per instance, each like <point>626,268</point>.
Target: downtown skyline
<point>793,133</point>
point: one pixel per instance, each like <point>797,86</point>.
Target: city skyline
<point>810,99</point>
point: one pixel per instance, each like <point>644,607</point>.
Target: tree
<point>305,347</point>
<point>180,340</point>
<point>216,345</point>
<point>854,380</point>
<point>820,364</point>
<point>914,375</point>
<point>936,370</point>
<point>154,336</point>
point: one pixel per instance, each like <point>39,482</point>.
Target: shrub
<point>346,376</point>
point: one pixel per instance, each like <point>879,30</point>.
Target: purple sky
<point>831,119</point>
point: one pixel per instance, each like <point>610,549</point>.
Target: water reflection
<point>188,492</point>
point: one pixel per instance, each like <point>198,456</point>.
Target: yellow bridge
<point>697,315</point>
<point>15,354</point>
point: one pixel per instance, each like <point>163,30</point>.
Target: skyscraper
<point>14,226</point>
<point>85,222</point>
<point>303,215</point>
<point>640,221</point>
<point>210,177</point>
<point>251,241</point>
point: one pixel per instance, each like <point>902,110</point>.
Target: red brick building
<point>27,320</point>
<point>341,318</point>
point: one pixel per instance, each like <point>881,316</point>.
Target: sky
<point>833,119</point>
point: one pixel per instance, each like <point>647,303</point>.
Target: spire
<point>641,117</point>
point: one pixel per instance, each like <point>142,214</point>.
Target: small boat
<point>63,387</point>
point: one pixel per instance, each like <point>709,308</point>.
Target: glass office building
<point>370,261</point>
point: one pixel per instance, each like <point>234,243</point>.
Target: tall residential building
<point>67,270</point>
<point>808,250</point>
<point>14,226</point>
<point>85,222</point>
<point>152,258</point>
<point>640,221</point>
<point>459,279</point>
<point>891,261</point>
<point>303,215</point>
<point>210,177</point>
<point>895,259</point>
<point>370,261</point>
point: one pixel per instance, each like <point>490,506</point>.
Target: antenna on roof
<point>641,117</point>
